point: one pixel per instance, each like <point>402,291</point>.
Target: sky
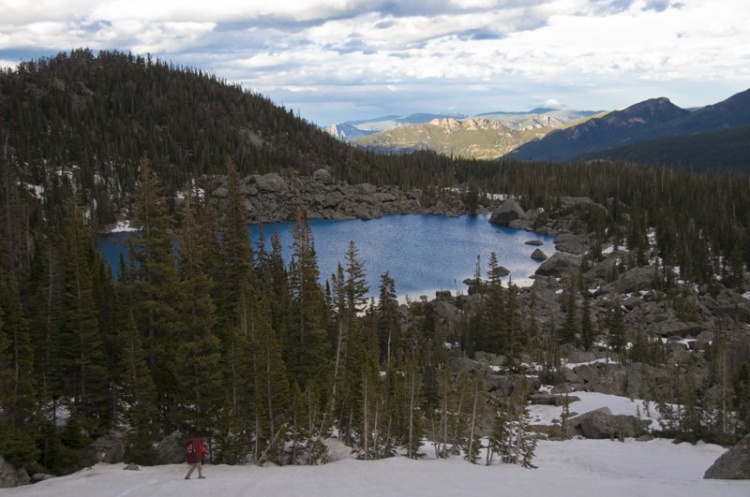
<point>584,468</point>
<point>331,61</point>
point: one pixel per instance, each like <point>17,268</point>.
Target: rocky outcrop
<point>570,243</point>
<point>558,265</point>
<point>275,197</point>
<point>734,464</point>
<point>170,450</point>
<point>539,255</point>
<point>508,212</point>
<point>108,449</point>
<point>601,424</point>
<point>10,476</point>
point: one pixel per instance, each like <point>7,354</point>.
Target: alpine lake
<point>422,253</point>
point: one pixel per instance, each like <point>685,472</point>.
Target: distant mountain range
<point>488,135</point>
<point>655,131</point>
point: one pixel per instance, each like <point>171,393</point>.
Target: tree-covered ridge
<point>726,150</point>
<point>96,114</point>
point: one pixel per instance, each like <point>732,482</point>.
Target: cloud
<point>461,53</point>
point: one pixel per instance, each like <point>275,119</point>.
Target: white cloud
<point>515,49</point>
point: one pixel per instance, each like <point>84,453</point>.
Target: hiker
<point>194,451</point>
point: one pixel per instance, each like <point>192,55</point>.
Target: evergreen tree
<point>587,327</point>
<point>475,417</point>
<point>17,367</point>
<point>493,336</point>
<point>82,356</point>
<point>741,399</point>
<point>307,346</point>
<point>616,325</point>
<point>388,324</point>
<point>156,288</point>
<point>198,360</point>
<point>569,330</point>
<point>140,396</point>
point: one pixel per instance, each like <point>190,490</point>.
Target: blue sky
<point>337,60</point>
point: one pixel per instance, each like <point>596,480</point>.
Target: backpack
<point>192,453</point>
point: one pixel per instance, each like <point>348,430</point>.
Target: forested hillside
<point>96,115</point>
<point>204,334</point>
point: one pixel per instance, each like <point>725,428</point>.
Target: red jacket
<point>194,451</point>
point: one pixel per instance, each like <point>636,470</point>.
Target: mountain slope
<point>352,130</point>
<point>484,136</point>
<point>612,129</point>
<point>96,115</point>
<point>645,121</point>
<point>476,138</point>
<point>726,150</point>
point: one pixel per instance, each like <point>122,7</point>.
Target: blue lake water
<point>423,253</point>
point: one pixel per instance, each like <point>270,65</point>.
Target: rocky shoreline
<point>274,198</point>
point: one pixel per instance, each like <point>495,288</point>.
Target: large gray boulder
<point>635,279</point>
<point>559,265</point>
<point>508,212</point>
<point>12,477</point>
<point>734,464</point>
<point>170,450</point>
<point>538,255</point>
<point>8,474</point>
<point>568,242</point>
<point>601,423</point>
<point>271,182</point>
<point>322,176</point>
<point>108,449</point>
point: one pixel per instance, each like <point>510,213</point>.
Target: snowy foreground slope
<point>573,468</point>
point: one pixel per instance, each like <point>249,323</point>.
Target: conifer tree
<point>388,325</point>
<point>475,417</point>
<point>156,287</point>
<point>272,396</point>
<point>307,345</point>
<point>139,395</point>
<point>741,400</point>
<point>494,337</point>
<point>616,325</point>
<point>569,330</point>
<point>198,360</point>
<point>413,368</point>
<point>513,321</point>
<point>587,327</point>
<point>17,369</point>
<point>82,356</point>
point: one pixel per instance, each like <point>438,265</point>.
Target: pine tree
<point>17,368</point>
<point>741,400</point>
<point>475,417</point>
<point>587,327</point>
<point>616,325</point>
<point>307,347</point>
<point>388,325</point>
<point>198,360</point>
<point>272,394</point>
<point>569,331</point>
<point>156,287</point>
<point>139,395</point>
<point>82,356</point>
<point>493,336</point>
